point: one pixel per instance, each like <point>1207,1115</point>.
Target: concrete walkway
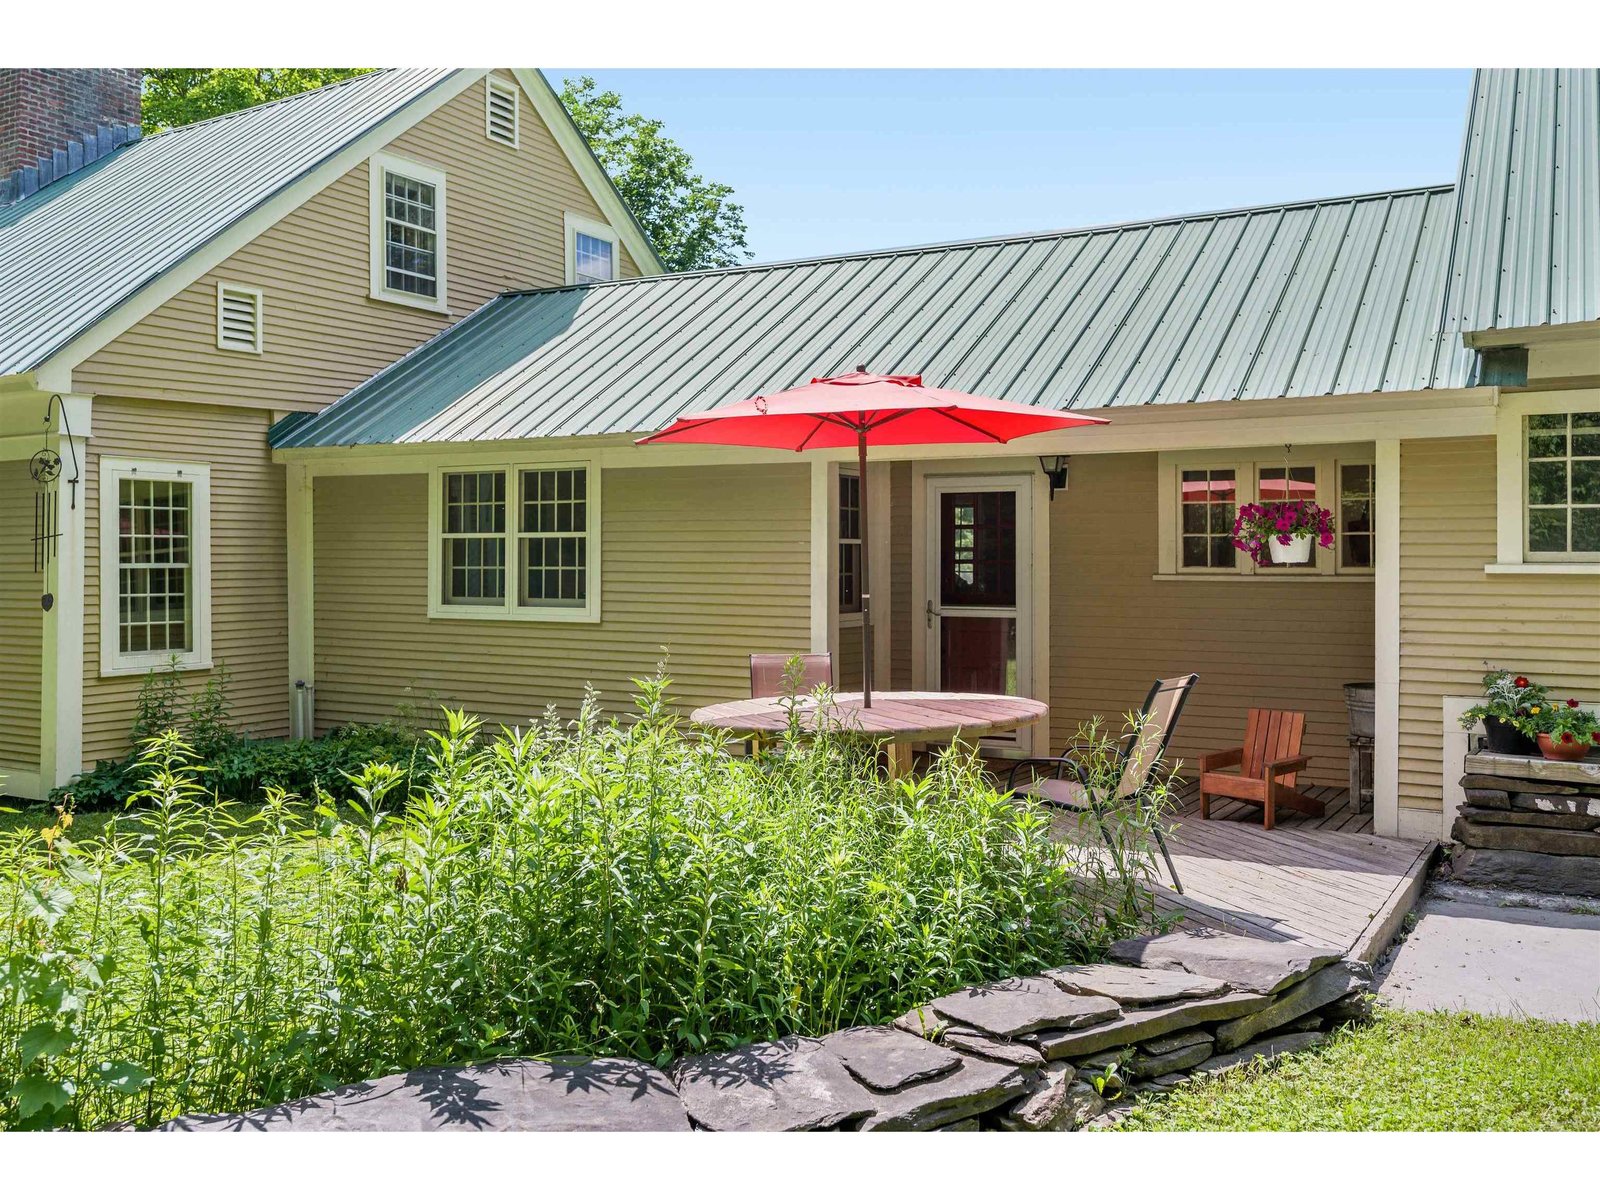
<point>1485,959</point>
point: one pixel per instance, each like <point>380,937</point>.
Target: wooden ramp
<point>1327,880</point>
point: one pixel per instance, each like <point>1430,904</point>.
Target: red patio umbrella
<point>853,410</point>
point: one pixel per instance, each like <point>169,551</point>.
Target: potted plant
<point>1507,699</point>
<point>1280,531</point>
<point>1565,731</point>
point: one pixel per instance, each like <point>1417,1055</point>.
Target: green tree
<point>183,95</point>
<point>692,222</point>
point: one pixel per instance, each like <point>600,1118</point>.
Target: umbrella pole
<point>866,586</point>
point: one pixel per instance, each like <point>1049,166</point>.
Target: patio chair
<point>766,673</point>
<point>1141,750</point>
<point>1268,762</point>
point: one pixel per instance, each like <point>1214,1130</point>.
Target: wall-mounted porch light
<point>1055,470</point>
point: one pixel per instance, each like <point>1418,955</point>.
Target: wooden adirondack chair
<point>1268,762</point>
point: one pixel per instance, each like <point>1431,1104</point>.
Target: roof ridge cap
<point>996,239</point>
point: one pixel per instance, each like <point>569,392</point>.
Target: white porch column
<point>1386,642</point>
<point>821,546</point>
<point>298,487</point>
<point>61,665</point>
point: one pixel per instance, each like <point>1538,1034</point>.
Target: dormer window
<point>408,233</point>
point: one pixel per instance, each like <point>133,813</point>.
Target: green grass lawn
<point>1405,1071</point>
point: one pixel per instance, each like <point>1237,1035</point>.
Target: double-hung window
<point>1562,486</point>
<point>516,541</point>
<point>849,543</point>
<point>591,250</point>
<point>154,565</point>
<point>408,233</point>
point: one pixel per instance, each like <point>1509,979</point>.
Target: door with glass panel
<point>978,610</point>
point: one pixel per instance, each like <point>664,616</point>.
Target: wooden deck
<point>1328,880</point>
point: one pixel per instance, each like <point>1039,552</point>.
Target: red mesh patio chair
<point>766,673</point>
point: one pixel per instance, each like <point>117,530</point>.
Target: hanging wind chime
<point>45,468</point>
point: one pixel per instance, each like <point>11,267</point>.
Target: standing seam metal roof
<point>1317,298</point>
<point>68,254</point>
<point>1527,230</point>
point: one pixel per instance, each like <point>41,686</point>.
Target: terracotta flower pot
<point>1297,551</point>
<point>1562,751</point>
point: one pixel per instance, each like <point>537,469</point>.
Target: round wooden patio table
<point>900,718</point>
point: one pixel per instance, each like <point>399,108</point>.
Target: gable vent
<point>501,112</point>
<point>238,318</point>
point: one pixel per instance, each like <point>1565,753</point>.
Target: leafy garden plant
<point>1506,697</point>
<point>1257,525</point>
<point>599,887</point>
<point>1564,722</point>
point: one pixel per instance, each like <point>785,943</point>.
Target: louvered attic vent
<point>238,318</point>
<point>501,115</point>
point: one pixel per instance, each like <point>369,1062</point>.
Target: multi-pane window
<point>155,565</point>
<point>849,543</point>
<point>155,579</point>
<point>1278,484</point>
<point>517,541</point>
<point>410,235</point>
<point>593,259</point>
<point>1207,504</point>
<point>1355,522</point>
<point>553,537</point>
<point>1563,483</point>
<point>473,529</point>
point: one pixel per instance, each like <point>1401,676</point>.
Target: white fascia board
<point>246,229</point>
<point>1226,424</point>
<point>556,118</point>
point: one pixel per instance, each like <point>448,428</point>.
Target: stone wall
<point>1529,824</point>
<point>1057,1051</point>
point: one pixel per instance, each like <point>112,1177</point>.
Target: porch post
<point>298,488</point>
<point>61,663</point>
<point>1386,641</point>
<point>820,547</point>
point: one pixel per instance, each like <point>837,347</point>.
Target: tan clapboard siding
<point>21,622</point>
<point>847,665</point>
<point>900,672</point>
<point>249,596</point>
<point>710,563</point>
<point>323,334</point>
<point>1254,643</point>
<point>1454,618</point>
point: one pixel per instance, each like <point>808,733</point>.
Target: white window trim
<point>261,318</point>
<point>510,610</point>
<point>491,87</point>
<point>1247,464</point>
<point>112,470</point>
<point>847,620</point>
<point>376,166</point>
<point>1511,478</point>
<point>596,229</point>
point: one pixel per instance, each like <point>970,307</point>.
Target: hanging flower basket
<point>1281,531</point>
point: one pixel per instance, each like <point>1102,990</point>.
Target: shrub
<point>604,888</point>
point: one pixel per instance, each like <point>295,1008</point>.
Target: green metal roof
<point>1527,235</point>
<point>1318,298</point>
<point>73,251</point>
<point>1357,294</point>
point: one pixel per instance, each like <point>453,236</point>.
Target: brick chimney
<point>53,122</point>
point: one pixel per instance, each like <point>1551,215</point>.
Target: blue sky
<point>833,161</point>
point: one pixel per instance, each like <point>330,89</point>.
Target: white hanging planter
<point>1297,551</point>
